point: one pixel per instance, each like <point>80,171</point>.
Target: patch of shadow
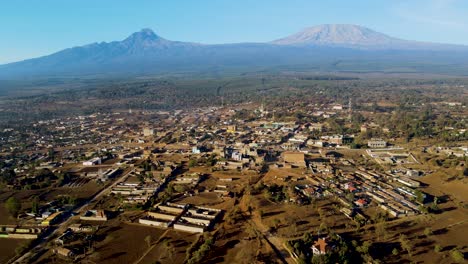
<point>115,255</point>
<point>440,231</point>
<point>383,249</point>
<point>448,248</point>
<point>448,209</point>
<point>219,252</point>
<point>114,228</point>
<point>232,234</point>
<point>272,213</point>
<point>180,243</point>
<point>215,260</point>
<point>443,199</point>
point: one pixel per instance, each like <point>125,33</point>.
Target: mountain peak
<point>143,37</point>
<point>338,35</point>
<point>147,32</point>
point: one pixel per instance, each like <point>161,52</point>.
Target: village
<point>172,179</point>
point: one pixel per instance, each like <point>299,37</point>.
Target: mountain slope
<point>321,48</point>
<point>353,36</point>
<point>338,34</point>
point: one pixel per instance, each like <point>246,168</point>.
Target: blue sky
<point>36,28</point>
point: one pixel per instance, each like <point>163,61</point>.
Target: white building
<point>147,132</point>
<point>93,161</point>
<point>376,143</point>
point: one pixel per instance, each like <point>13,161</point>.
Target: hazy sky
<point>31,28</point>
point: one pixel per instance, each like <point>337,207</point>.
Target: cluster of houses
<point>191,179</point>
<point>393,193</point>
<point>134,190</point>
<point>460,151</point>
<point>70,243</point>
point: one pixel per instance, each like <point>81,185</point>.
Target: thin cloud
<point>443,13</point>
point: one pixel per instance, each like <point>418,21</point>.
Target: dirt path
<point>152,247</point>
<point>276,242</point>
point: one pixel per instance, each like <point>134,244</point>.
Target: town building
<point>376,143</point>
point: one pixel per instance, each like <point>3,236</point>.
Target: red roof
<point>321,244</point>
<point>361,202</point>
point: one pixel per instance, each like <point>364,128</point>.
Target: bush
<point>457,256</point>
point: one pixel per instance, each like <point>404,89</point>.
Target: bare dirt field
<point>203,199</point>
<point>171,248</point>
<point>124,243</point>
<point>234,244</point>
<point>7,248</point>
<point>83,191</point>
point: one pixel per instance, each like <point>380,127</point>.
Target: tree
<point>364,248</point>
<point>437,248</point>
<point>457,256</point>
<point>395,252</point>
<point>35,205</point>
<point>308,238</point>
<point>13,206</point>
<point>250,209</point>
<point>419,196</point>
<point>323,227</point>
<point>427,231</point>
<point>168,248</point>
<point>297,247</point>
<point>148,240</point>
<point>264,168</point>
<point>51,154</point>
<point>406,244</point>
<point>7,176</point>
<point>192,163</point>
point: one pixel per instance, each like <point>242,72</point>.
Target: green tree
<point>406,244</point>
<point>364,248</point>
<point>419,196</point>
<point>192,163</point>
<point>427,231</point>
<point>308,238</point>
<point>457,256</point>
<point>7,176</point>
<point>13,206</point>
<point>35,205</point>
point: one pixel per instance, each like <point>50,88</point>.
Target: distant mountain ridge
<point>354,36</point>
<point>339,34</point>
<point>334,47</point>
